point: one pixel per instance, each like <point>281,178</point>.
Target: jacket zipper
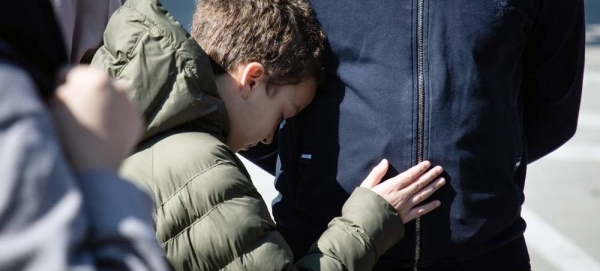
<point>421,117</point>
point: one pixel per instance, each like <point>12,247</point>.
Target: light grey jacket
<point>52,219</point>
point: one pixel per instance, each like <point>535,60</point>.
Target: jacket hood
<point>172,80</point>
<point>31,38</point>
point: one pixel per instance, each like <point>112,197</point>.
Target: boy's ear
<point>253,75</point>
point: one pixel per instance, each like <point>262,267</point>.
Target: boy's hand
<point>97,124</point>
<point>407,189</point>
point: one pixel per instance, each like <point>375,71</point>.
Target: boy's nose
<point>267,140</point>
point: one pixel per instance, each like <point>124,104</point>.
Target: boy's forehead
<point>306,84</point>
<point>303,92</point>
<point>309,82</point>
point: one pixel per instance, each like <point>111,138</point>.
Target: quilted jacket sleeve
<point>209,215</point>
<point>368,227</point>
<point>217,220</point>
<point>234,231</point>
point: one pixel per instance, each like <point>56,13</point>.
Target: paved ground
<point>563,189</point>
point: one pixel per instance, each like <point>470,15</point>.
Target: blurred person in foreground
<point>63,206</point>
<point>266,62</point>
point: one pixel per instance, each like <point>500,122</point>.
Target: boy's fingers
<point>422,210</point>
<point>376,174</point>
<point>406,178</point>
<point>423,180</point>
<point>414,172</point>
<point>427,191</point>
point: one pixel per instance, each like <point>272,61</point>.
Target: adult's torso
<point>411,81</point>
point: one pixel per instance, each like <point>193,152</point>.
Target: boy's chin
<point>247,147</point>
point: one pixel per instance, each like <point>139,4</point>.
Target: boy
<point>266,60</point>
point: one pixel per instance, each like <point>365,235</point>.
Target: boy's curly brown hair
<point>283,35</point>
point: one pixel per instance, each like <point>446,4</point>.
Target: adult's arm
<point>553,75</point>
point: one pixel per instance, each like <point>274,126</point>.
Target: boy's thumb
<point>376,175</point>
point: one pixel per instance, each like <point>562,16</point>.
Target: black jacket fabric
<point>480,87</point>
<point>30,37</point>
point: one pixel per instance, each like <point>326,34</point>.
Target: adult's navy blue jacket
<point>481,87</point>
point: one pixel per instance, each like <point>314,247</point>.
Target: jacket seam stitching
<point>190,180</point>
<point>203,216</point>
<point>148,28</point>
<point>234,259</point>
<point>245,252</point>
<point>172,42</point>
<point>153,179</point>
<point>128,55</point>
<point>350,230</point>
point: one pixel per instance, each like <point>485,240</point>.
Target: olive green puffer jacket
<point>209,215</point>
